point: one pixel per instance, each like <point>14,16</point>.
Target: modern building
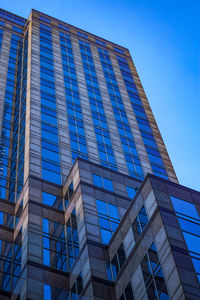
<point>90,205</point>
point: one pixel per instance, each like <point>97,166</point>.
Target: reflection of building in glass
<point>90,204</point>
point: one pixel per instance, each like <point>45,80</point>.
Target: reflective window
<point>142,120</point>
<point>102,182</point>
<point>130,191</point>
<point>72,240</point>
<point>69,193</point>
<point>189,221</point>
<point>102,133</point>
<point>127,293</point>
<point>54,245</point>
<point>114,266</point>
<point>54,293</point>
<point>108,220</point>
<point>153,275</point>
<point>140,223</point>
<point>184,207</point>
<point>124,130</point>
<point>51,200</point>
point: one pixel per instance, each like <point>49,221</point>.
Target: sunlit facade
<point>77,142</point>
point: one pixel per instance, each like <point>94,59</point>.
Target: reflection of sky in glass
<point>47,292</point>
<point>184,207</point>
<point>190,224</point>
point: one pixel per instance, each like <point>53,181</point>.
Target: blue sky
<point>164,40</point>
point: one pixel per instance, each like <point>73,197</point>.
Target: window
<point>72,240</point>
<point>77,288</point>
<point>101,43</point>
<point>68,194</point>
<point>81,34</point>
<point>131,192</point>
<point>108,220</point>
<point>118,50</point>
<point>54,293</point>
<point>102,182</point>
<point>189,222</point>
<point>42,18</point>
<point>51,200</point>
<point>153,276</point>
<point>140,223</point>
<point>127,293</point>
<point>54,245</point>
<point>117,262</point>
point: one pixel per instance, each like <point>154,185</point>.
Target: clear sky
<point>164,40</point>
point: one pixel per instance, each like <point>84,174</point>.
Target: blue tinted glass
<point>114,271</point>
<point>51,176</point>
<point>101,207</point>
<point>104,223</point>
<point>46,257</point>
<point>192,241</point>
<point>97,180</point>
<point>105,236</point>
<point>189,226</point>
<point>108,184</point>
<point>109,274</point>
<point>196,263</point>
<point>113,212</point>
<point>48,198</point>
<point>46,243</point>
<point>163,296</point>
<point>114,226</point>
<point>130,191</point>
<point>1,218</point>
<point>184,207</point>
<point>47,292</point>
<point>45,224</point>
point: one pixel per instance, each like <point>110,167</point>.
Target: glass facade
<point>189,221</point>
<point>153,275</point>
<point>103,140</point>
<point>51,170</point>
<point>142,120</point>
<point>124,130</point>
<point>74,110</point>
<point>108,220</point>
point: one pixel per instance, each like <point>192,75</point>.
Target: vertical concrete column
<point>33,106</point>
<point>88,123</point>
<point>4,59</point>
<point>32,288</point>
<point>131,117</point>
<point>159,141</point>
<point>114,135</point>
<point>63,128</point>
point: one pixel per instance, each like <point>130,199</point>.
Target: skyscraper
<point>78,138</point>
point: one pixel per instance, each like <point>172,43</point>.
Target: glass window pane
<point>114,226</point>
<point>131,192</point>
<point>184,207</point>
<point>47,292</point>
<point>97,180</point>
<point>113,211</point>
<point>192,241</point>
<point>196,263</point>
<point>189,226</point>
<point>101,207</point>
<point>108,184</point>
<point>104,223</point>
<point>105,236</point>
<point>48,199</point>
